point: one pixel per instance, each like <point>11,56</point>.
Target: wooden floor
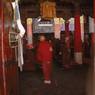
<point>64,82</point>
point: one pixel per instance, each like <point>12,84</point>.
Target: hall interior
<point>72,42</point>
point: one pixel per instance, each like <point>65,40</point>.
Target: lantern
<point>48,10</point>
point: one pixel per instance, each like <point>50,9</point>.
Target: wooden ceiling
<point>64,8</point>
<point>58,2</point>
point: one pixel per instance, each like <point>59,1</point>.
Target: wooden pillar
<point>93,52</point>
<point>90,89</point>
<point>66,50</point>
<point>67,35</point>
<point>91,74</point>
<point>92,68</point>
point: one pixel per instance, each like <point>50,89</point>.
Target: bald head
<point>42,38</point>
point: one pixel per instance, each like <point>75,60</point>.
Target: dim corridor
<point>64,82</point>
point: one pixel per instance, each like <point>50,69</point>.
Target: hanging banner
<point>17,18</point>
<point>56,20</point>
<point>21,33</point>
<point>72,24</point>
<point>62,22</point>
<point>20,54</point>
<point>43,26</point>
<point>91,25</point>
<point>29,33</point>
<point>82,27</point>
<point>57,31</point>
<point>57,28</point>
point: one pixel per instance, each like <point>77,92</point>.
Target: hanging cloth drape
<point>29,33</point>
<point>91,25</point>
<point>62,22</point>
<point>17,18</point>
<point>20,54</point>
<point>20,34</point>
<point>71,24</point>
<point>57,28</point>
<point>82,27</point>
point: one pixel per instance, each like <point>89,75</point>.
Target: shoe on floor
<point>47,81</point>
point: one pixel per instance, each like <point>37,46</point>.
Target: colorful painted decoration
<point>29,33</point>
<point>57,28</point>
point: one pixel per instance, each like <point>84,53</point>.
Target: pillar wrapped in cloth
<point>91,78</point>
<point>29,33</point>
<point>77,40</point>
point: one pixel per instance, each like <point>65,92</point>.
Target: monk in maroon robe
<point>44,55</point>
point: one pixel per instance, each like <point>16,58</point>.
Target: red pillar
<point>91,74</point>
<point>93,34</point>
<point>77,39</point>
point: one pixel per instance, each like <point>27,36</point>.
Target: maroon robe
<point>43,52</point>
<point>44,55</point>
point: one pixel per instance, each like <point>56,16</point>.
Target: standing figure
<point>44,55</point>
<point>86,46</point>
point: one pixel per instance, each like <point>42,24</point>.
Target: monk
<point>44,55</point>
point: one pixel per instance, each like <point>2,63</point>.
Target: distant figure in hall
<point>44,56</point>
<point>87,46</point>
